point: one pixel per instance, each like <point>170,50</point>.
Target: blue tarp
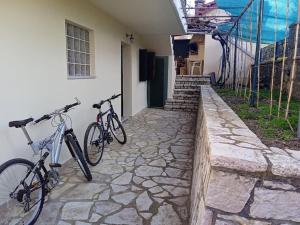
<point>235,7</point>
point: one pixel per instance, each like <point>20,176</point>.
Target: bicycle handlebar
<point>44,117</point>
<point>112,98</point>
<point>58,111</point>
<point>98,106</point>
<point>67,107</point>
<point>115,96</point>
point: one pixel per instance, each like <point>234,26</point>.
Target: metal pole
<point>245,51</point>
<point>298,21</point>
<point>253,97</point>
<point>235,55</point>
<point>240,16</point>
<point>298,130</point>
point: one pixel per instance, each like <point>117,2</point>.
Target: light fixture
<point>130,37</point>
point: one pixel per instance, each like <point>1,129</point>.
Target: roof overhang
<point>147,16</point>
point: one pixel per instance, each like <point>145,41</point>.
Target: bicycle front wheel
<point>93,144</point>
<point>78,156</point>
<point>117,129</point>
<point>22,192</point>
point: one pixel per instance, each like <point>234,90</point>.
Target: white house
<point>53,51</point>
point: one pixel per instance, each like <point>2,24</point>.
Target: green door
<point>158,87</point>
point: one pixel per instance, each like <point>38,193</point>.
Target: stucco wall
<point>213,53</point>
<point>34,70</point>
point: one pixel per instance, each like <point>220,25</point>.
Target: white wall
<point>34,71</point>
<point>139,89</point>
<point>243,61</point>
<point>171,76</point>
<point>162,46</point>
<point>171,71</point>
<point>213,53</point>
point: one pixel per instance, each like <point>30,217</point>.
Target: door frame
<point>126,80</point>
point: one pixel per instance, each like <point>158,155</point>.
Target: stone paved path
<point>145,181</point>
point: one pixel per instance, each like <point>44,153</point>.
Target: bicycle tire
<point>112,129</point>
<point>28,164</point>
<point>86,144</point>
<point>78,156</point>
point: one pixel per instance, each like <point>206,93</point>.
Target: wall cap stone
<point>234,146</point>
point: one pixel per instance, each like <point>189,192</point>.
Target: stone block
<point>243,221</point>
<point>274,204</point>
<point>237,158</point>
<point>228,192</point>
<point>284,165</point>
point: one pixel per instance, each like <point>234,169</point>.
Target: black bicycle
<point>24,184</point>
<point>99,132</point>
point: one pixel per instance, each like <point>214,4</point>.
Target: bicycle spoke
<point>21,200</point>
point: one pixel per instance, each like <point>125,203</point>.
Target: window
<point>78,51</point>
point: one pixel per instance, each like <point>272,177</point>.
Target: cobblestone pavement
<point>145,181</point>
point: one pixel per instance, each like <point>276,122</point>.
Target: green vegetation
<point>271,127</point>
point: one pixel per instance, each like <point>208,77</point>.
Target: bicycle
<point>25,184</point>
<point>98,132</point>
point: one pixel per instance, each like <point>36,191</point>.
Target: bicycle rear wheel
<point>78,156</point>
<point>93,144</point>
<point>22,192</point>
<point>117,129</point>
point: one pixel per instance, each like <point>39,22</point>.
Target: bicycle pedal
<point>54,165</point>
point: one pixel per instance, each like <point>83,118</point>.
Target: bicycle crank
<point>109,138</point>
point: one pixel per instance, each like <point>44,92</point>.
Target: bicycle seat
<point>19,123</point>
<point>98,106</point>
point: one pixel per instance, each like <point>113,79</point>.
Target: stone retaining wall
<point>237,179</point>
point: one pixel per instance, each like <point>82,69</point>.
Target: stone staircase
<point>186,93</point>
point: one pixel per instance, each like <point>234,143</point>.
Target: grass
<point>271,127</point>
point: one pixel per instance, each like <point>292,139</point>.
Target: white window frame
<point>79,51</point>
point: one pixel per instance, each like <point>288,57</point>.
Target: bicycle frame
<point>52,143</point>
<point>101,114</point>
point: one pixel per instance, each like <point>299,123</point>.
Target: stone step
<point>182,101</point>
<point>186,97</point>
<point>193,82</point>
<point>193,78</point>
<point>187,86</point>
<point>191,107</point>
<point>181,108</point>
<point>187,91</point>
